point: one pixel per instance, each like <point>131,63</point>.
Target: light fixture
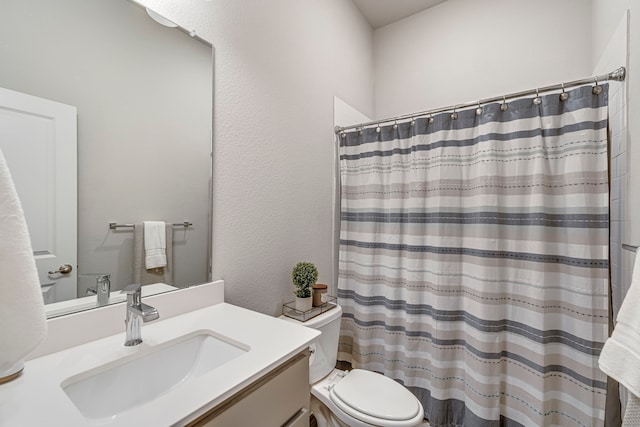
<point>160,19</point>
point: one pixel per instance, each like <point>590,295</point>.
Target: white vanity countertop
<point>36,398</point>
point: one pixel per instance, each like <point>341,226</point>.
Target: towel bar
<point>629,247</point>
<point>115,226</point>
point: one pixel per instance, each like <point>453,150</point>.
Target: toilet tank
<point>325,349</point>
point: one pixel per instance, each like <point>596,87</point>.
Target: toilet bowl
<point>356,398</point>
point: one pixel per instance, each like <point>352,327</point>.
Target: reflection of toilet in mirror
<point>357,398</point>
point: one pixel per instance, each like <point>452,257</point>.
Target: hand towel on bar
<point>620,356</point>
<point>155,244</point>
<point>23,324</point>
<point>157,275</point>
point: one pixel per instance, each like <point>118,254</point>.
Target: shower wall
<point>609,14</point>
<point>615,55</point>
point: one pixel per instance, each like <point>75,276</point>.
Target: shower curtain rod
<point>617,75</point>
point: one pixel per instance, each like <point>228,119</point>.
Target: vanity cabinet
<point>279,398</point>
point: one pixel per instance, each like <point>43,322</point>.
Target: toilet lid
<point>375,396</point>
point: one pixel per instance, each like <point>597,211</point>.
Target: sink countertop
<point>36,398</point>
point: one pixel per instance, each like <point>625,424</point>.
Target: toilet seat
<point>376,400</point>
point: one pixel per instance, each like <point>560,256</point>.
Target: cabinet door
<point>280,398</point>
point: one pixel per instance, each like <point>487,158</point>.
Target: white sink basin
<point>121,385</point>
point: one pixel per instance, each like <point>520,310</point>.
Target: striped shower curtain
<point>473,262</point>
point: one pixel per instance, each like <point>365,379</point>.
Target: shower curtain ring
<point>537,100</point>
<point>564,95</point>
<point>413,121</point>
<point>378,128</point>
<point>504,106</point>
<point>395,124</point>
<point>479,109</point>
<point>454,115</point>
<point>430,118</point>
<point>361,131</point>
<point>597,89</point>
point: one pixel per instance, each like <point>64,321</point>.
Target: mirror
<point>143,94</point>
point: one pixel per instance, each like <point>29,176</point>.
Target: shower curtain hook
<point>361,130</point>
<point>430,118</point>
<point>479,109</point>
<point>537,99</point>
<point>504,106</point>
<point>395,124</point>
<point>454,115</point>
<point>378,128</point>
<point>597,89</point>
<point>564,95</point>
<point>413,121</point>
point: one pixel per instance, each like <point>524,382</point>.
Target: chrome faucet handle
<point>103,278</point>
<point>132,288</point>
<point>134,293</point>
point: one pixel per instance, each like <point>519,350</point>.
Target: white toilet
<point>357,398</point>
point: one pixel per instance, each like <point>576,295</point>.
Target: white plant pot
<point>303,304</point>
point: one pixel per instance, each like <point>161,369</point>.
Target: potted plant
<point>304,276</point>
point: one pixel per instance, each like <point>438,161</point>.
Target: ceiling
<point>382,12</point>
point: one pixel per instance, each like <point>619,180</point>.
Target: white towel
<point>155,244</point>
<point>620,357</point>
<point>140,273</point>
<point>631,416</point>
<point>23,323</point>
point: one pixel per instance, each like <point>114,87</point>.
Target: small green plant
<point>304,276</point>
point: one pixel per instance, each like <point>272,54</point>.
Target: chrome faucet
<point>137,313</point>
<point>102,289</point>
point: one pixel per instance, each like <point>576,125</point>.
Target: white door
<point>39,140</point>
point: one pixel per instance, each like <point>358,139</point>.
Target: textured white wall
<point>464,50</point>
<point>278,65</point>
<point>606,18</point>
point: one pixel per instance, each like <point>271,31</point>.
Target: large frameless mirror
<point>139,97</point>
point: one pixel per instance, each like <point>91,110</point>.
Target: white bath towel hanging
<point>155,275</point>
<point>620,356</point>
<point>631,416</point>
<point>23,322</point>
<point>155,244</point>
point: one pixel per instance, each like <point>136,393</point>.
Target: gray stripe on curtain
<point>470,142</point>
<point>545,258</point>
<point>473,261</point>
<point>518,110</point>
<point>463,416</point>
<point>481,217</point>
<point>544,337</point>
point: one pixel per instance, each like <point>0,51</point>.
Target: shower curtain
<point>473,262</point>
